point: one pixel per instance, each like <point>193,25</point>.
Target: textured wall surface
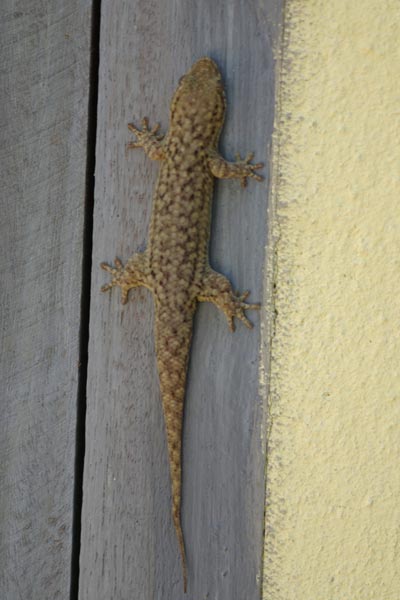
<point>333,511</point>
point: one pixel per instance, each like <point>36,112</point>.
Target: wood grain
<point>129,547</point>
<point>44,110</point>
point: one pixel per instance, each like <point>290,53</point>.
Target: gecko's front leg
<point>217,289</point>
<point>148,140</point>
<point>241,169</point>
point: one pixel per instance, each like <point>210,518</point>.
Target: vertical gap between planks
<point>85,296</point>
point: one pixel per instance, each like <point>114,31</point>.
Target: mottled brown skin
<point>175,265</point>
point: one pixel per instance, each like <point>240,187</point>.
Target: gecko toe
<point>256,176</point>
<point>133,129</point>
<point>231,323</point>
<point>106,267</point>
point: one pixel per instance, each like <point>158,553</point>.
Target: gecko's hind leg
<point>134,274</point>
<point>218,289</point>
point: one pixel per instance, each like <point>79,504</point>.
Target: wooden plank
<point>128,541</point>
<point>44,114</point>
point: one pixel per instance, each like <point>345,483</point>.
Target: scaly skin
<point>175,265</point>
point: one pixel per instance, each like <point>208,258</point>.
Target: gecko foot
<point>234,306</point>
<point>246,169</point>
<point>147,139</point>
<point>218,290</point>
<point>134,274</point>
<point>119,278</point>
<point>241,169</point>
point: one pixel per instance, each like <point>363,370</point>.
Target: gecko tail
<point>179,535</point>
<point>172,358</point>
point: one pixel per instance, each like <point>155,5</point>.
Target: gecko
<point>175,265</point>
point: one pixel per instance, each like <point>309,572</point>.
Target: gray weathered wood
<point>129,548</point>
<point>44,107</point>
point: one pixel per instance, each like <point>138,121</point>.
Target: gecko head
<point>199,101</point>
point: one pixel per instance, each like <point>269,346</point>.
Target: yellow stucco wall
<point>333,472</point>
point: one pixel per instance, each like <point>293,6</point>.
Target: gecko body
<point>175,264</point>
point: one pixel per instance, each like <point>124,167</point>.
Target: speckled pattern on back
<point>175,265</point>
